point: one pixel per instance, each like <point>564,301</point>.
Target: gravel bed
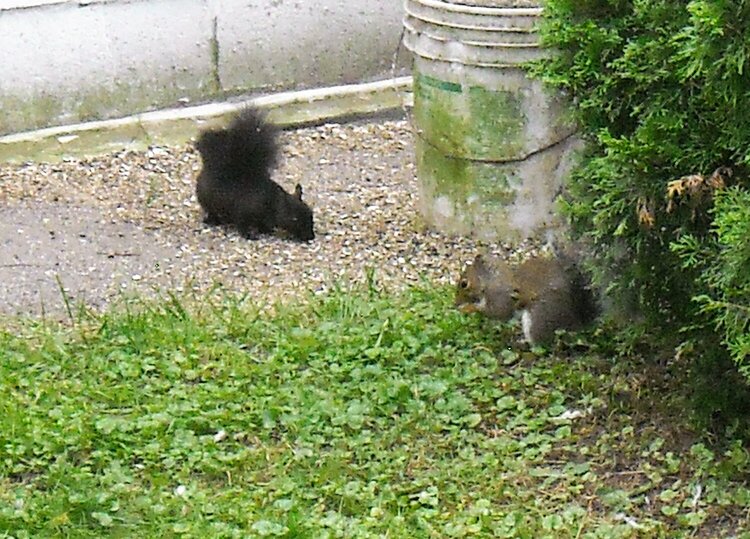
<point>129,222</point>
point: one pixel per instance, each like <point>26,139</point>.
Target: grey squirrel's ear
<point>478,261</point>
<point>298,191</point>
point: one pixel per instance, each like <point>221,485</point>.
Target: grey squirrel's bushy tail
<point>246,151</point>
<point>586,300</point>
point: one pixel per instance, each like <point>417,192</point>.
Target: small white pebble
<point>571,414</point>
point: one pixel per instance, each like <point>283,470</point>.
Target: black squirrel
<point>235,187</point>
<point>551,293</point>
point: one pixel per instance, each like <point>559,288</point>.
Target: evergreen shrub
<point>661,93</point>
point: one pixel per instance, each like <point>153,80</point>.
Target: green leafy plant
<point>657,87</point>
<point>355,414</point>
<point>725,268</point>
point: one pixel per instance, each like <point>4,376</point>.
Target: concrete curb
<point>179,125</point>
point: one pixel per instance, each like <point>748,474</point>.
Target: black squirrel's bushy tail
<point>246,151</point>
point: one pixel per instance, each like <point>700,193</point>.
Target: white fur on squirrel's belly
<point>526,324</point>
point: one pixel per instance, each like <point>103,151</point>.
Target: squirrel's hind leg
<point>212,219</point>
<point>250,227</point>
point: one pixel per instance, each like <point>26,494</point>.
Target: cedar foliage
<point>661,93</point>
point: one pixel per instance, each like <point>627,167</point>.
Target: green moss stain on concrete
<point>499,124</point>
<point>125,98</point>
<point>96,104</point>
<point>469,121</point>
<point>480,133</point>
<point>462,179</point>
<point>18,114</point>
<point>464,196</point>
<point>139,132</point>
<point>466,132</point>
<point>119,99</point>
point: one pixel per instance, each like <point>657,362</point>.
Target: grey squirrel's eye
<point>463,283</point>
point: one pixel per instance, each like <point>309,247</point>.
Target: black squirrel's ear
<point>298,191</point>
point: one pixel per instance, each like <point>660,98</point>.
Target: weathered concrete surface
<point>493,144</point>
<point>177,126</point>
<point>494,201</point>
<point>67,63</point>
<point>305,43</point>
<point>79,61</point>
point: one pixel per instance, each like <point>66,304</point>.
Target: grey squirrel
<point>551,293</point>
<point>235,187</point>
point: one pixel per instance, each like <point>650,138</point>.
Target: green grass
<point>358,414</point>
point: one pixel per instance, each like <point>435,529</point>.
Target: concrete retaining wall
<point>67,62</point>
